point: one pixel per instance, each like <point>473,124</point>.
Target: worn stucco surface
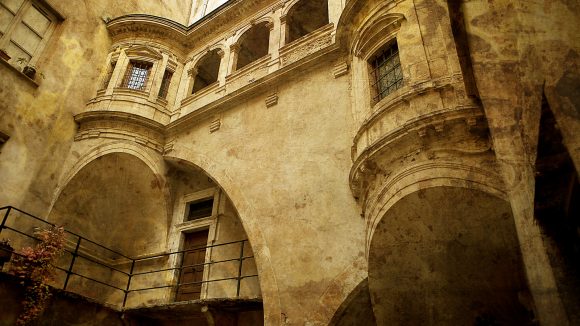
<point>401,207</point>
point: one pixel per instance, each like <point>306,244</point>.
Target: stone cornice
<point>85,117</point>
<point>166,31</point>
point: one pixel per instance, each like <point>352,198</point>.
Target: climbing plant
<point>33,267</point>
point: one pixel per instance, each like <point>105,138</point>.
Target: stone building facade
<point>388,162</point>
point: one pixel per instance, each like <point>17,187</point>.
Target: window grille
<point>165,84</point>
<point>137,75</point>
<point>386,74</point>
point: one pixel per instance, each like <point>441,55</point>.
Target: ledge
<point>19,73</point>
<point>193,307</point>
<point>122,116</point>
<point>201,93</point>
<point>248,68</point>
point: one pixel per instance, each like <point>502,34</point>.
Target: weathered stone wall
<point>278,140</point>
<point>531,52</point>
<point>39,120</point>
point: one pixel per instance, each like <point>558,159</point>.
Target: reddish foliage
<point>33,267</point>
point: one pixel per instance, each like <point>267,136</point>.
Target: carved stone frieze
<point>303,48</point>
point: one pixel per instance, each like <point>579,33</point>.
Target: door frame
<point>181,226</point>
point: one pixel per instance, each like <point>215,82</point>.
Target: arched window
<point>305,17</point>
<point>207,71</point>
<point>253,45</point>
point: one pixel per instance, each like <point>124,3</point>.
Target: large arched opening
<point>448,256</point>
<point>305,17</point>
<point>253,45</point>
<point>117,204</point>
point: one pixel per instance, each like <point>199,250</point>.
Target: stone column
<point>234,50</point>
<point>157,73</point>
<point>118,73</point>
<point>223,71</point>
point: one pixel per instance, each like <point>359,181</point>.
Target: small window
<point>137,75</point>
<point>200,209</point>
<point>165,82</point>
<point>386,75</point>
<point>25,25</point>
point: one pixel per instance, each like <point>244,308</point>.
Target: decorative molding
<point>143,51</point>
<point>168,148</point>
<point>215,125</point>
<point>340,69</point>
<point>122,126</point>
<point>271,100</point>
<point>306,45</point>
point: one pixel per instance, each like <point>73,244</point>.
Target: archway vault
<point>158,166</point>
<point>220,176</point>
<point>447,255</point>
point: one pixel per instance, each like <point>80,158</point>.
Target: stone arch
<point>356,308</point>
<point>154,162</point>
<point>428,175</point>
<point>303,17</point>
<point>267,20</point>
<point>253,43</point>
<point>447,255</point>
<point>219,175</point>
<point>207,69</point>
<point>110,192</point>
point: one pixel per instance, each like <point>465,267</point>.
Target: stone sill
<point>253,65</point>
<point>20,74</point>
<point>202,92</point>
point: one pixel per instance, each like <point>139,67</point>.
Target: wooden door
<point>192,268</point>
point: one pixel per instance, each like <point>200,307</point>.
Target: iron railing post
<point>179,270</point>
<point>240,268</point>
<point>129,282</point>
<point>72,262</point>
<point>5,218</point>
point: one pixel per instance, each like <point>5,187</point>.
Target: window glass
<point>5,18</point>
<point>137,75</point>
<point>386,71</point>
<point>200,209</point>
<point>36,20</point>
<point>26,38</point>
<point>165,84</point>
<point>13,5</point>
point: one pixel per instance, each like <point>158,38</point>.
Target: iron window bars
<point>165,84</point>
<point>137,75</point>
<point>387,74</point>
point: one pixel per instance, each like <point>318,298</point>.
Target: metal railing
<point>80,247</point>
